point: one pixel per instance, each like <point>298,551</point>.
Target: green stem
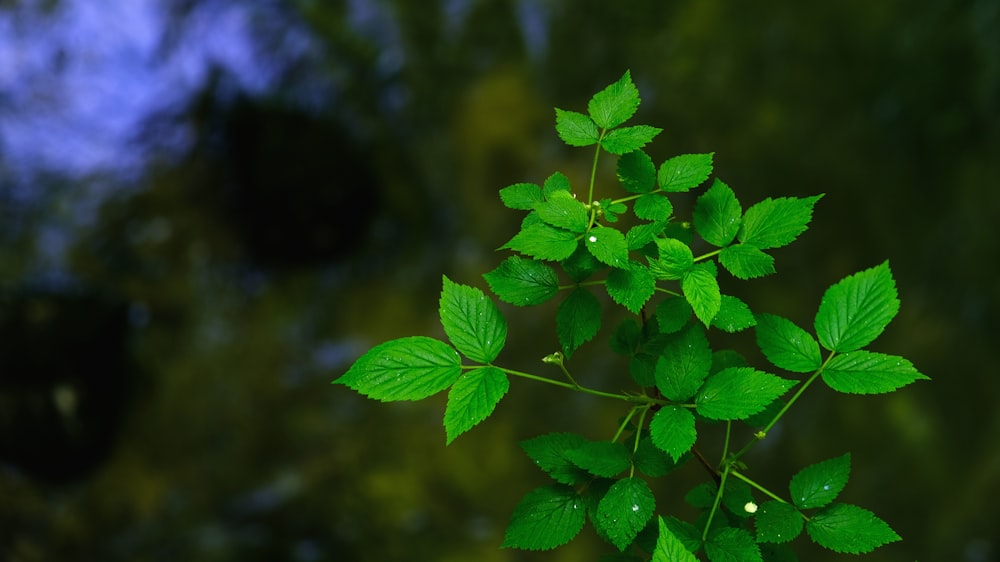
<point>621,428</point>
<point>765,491</point>
<point>571,386</point>
<point>593,172</point>
<point>715,504</point>
<point>708,255</point>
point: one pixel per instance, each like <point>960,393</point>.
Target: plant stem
<point>715,504</point>
<point>593,172</point>
<point>626,397</point>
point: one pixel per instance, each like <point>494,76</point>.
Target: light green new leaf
<point>746,262</point>
<point>523,282</point>
<point>786,345</point>
<point>849,529</point>
<point>669,548</point>
<point>729,544</point>
<point>773,223</point>
<point>681,173</point>
<point>627,139</point>
<point>631,287</point>
<point>653,207</point>
<point>545,518</point>
<point>865,372</point>
<point>577,320</point>
<point>717,214</point>
<point>683,364</point>
<point>615,104</point>
<point>738,392</point>
<point>637,172</point>
<point>411,368</point>
<point>549,453</point>
<point>777,522</point>
<point>819,484</point>
<point>472,399</point>
<point>734,315</point>
<point>521,196</point>
<point>673,431</point>
<point>603,459</point>
<point>675,259</point>
<point>576,129</point>
<point>855,310</point>
<point>562,210</point>
<point>608,245</point>
<point>701,289</point>
<point>624,511</point>
<point>542,241</point>
<point>471,321</point>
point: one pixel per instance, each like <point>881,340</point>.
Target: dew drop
<point>826,487</point>
<point>635,507</point>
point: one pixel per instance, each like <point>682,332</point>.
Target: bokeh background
<point>208,209</point>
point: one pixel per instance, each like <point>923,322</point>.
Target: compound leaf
<point>542,241</point>
<point>549,453</point>
<point>562,210</point>
<point>669,548</point>
<point>673,431</point>
<point>777,522</point>
<point>681,173</point>
<point>608,245</point>
<point>624,511</point>
<point>734,315</point>
<point>615,104</point>
<point>701,289</point>
<point>410,368</point>
<point>717,214</point>
<point>683,364</point>
<point>786,345</point>
<point>603,459</point>
<point>471,321</point>
<point>521,196</point>
<point>472,399</point>
<point>856,309</point>
<point>523,282</point>
<point>627,139</point>
<point>636,172</point>
<point>746,262</point>
<point>819,484</point>
<point>849,529</point>
<point>865,372</point>
<point>577,320</point>
<point>576,129</point>
<point>732,545</point>
<point>631,287</point>
<point>738,392</point>
<point>545,518</point>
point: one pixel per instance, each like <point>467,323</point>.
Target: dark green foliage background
<point>235,446</point>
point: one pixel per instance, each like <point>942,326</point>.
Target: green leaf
<point>576,129</point>
<point>549,453</point>
<point>523,282</point>
<point>732,545</point>
<point>855,310</point>
<point>521,196</point>
<point>653,461</point>
<point>636,172</point>
<point>653,207</point>
<point>542,241</point>
<point>777,522</point>
<point>672,314</point>
<point>673,431</point>
<point>411,368</point>
<point>627,139</point>
<point>773,223</point>
<point>472,322</point>
<point>627,337</point>
<point>624,511</point>
<point>819,484</point>
<point>554,183</point>
<point>603,459</point>
<point>615,104</point>
<point>738,392</point>
<point>849,529</point>
<point>734,315</point>
<point>610,210</point>
<point>642,234</point>
<point>472,399</point>
<point>608,246</point>
<point>545,518</point>
<point>865,372</point>
<point>562,210</point>
<point>669,548</point>
<point>631,287</point>
<point>681,173</point>
<point>683,364</point>
<point>701,289</point>
<point>746,262</point>
<point>786,345</point>
<point>675,259</point>
<point>581,264</point>
<point>577,320</point>
<point>717,214</point>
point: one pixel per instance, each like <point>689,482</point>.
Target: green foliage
<point>573,242</point>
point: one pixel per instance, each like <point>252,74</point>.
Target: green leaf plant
<point>664,273</point>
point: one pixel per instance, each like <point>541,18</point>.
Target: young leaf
<point>856,309</point>
<point>549,453</point>
<point>669,548</point>
<point>608,246</point>
<point>819,484</point>
<point>746,262</point>
<point>865,372</point>
<point>738,392</point>
<point>411,368</point>
<point>849,529</point>
<point>631,287</point>
<point>729,544</point>
<point>683,364</point>
<point>777,522</point>
<point>637,172</point>
<point>472,322</point>
<point>773,223</point>
<point>576,129</point>
<point>577,320</point>
<point>625,510</point>
<point>673,431</point>
<point>675,259</point>
<point>542,241</point>
<point>672,315</point>
<point>521,196</point>
<point>627,139</point>
<point>562,210</point>
<point>545,518</point>
<point>523,282</point>
<point>653,207</point>
<point>717,214</point>
<point>472,399</point>
<point>681,173</point>
<point>734,315</point>
<point>603,459</point>
<point>556,182</point>
<point>786,345</point>
<point>701,289</point>
<point>615,104</point>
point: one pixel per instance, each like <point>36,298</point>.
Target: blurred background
<point>209,209</point>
